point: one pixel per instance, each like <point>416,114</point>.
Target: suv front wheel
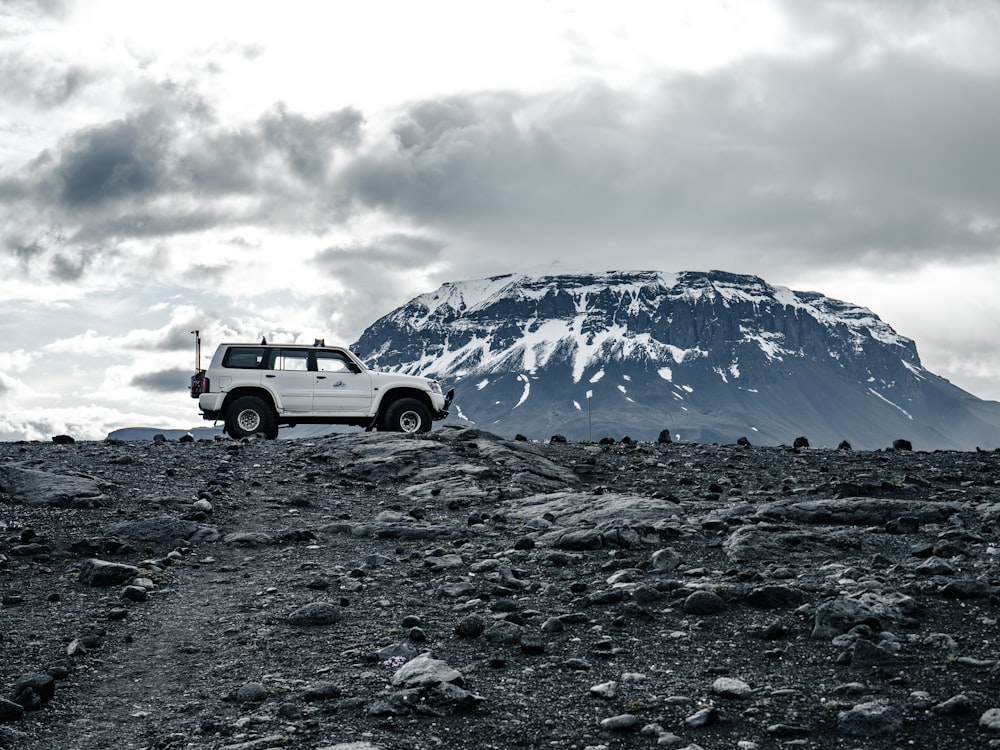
<point>406,415</point>
<point>249,415</point>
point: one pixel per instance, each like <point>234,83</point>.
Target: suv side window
<point>245,357</point>
<point>292,359</point>
<point>332,362</point>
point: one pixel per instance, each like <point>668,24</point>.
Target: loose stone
<point>606,690</point>
<point>620,723</point>
<point>252,692</point>
<point>94,572</point>
<point>471,626</point>
<point>728,687</point>
<point>425,671</point>
<point>702,718</point>
<point>316,614</point>
<point>704,603</point>
<point>870,719</point>
<point>10,711</point>
<point>990,720</point>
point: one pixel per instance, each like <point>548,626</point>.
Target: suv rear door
<point>290,379</point>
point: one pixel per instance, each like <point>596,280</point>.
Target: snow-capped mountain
<point>711,356</point>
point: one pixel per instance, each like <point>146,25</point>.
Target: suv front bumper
<point>443,411</point>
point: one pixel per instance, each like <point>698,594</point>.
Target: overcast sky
<point>299,169</point>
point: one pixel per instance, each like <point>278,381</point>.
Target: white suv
<point>254,388</point>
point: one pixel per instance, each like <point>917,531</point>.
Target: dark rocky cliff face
<point>710,356</point>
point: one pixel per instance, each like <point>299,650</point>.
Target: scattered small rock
<point>704,603</point>
<point>94,572</point>
<point>316,614</point>
<point>870,720</point>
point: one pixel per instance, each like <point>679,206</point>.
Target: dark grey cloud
<point>178,336</point>
<point>258,159</point>
<point>24,250</point>
<point>68,267</point>
<point>125,159</point>
<point>308,145</point>
<point>164,381</point>
<point>223,163</point>
<point>175,152</point>
<point>373,275</point>
<point>54,255</point>
<point>204,275</point>
<point>134,178</point>
<point>893,162</point>
<point>392,252</point>
<point>888,162</point>
<point>147,223</point>
<point>12,189</point>
<point>50,253</point>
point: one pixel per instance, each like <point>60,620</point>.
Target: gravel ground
<point>459,590</point>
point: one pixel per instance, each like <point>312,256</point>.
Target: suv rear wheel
<point>249,415</point>
<point>406,415</point>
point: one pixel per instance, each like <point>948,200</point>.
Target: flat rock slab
<point>870,720</point>
<point>586,521</point>
<point>316,614</point>
<point>425,671</point>
<point>857,511</point>
<point>783,542</point>
<point>40,488</point>
<point>94,572</point>
<point>584,509</point>
<point>839,615</point>
<point>162,529</point>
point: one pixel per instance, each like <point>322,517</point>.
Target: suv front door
<point>340,389</point>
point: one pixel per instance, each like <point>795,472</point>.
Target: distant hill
<point>710,356</point>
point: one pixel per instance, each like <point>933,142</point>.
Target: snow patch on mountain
<point>526,392</point>
<point>891,403</point>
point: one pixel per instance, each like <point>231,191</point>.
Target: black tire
<point>406,415</point>
<point>250,415</point>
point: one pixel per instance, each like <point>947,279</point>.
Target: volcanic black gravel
<point>459,590</point>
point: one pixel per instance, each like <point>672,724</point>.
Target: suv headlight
<point>434,386</point>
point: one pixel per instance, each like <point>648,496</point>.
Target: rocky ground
<point>458,590</point>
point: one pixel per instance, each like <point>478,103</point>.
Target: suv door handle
<point>321,377</point>
<point>270,376</point>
